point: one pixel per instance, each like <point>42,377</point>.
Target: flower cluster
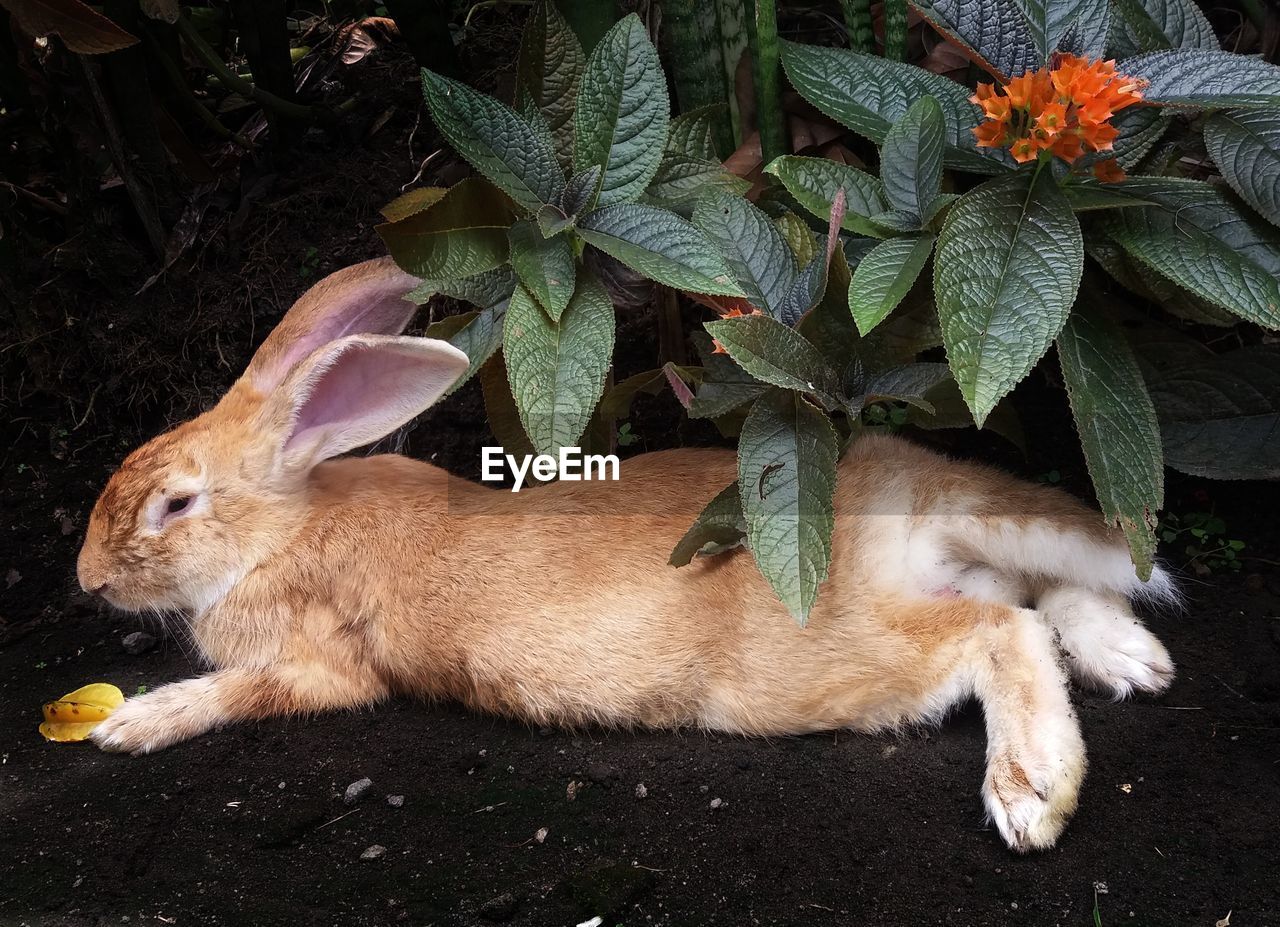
<point>1064,108</point>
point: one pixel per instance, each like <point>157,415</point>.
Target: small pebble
<point>716,803</point>
<point>137,642</point>
<point>641,791</point>
<point>540,835</point>
<point>395,801</point>
<point>377,851</point>
<point>571,791</point>
<point>356,791</point>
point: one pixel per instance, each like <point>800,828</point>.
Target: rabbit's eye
<point>177,504</point>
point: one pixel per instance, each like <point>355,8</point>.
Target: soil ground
<point>1177,822</point>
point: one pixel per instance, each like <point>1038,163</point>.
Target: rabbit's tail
<point>1051,554</point>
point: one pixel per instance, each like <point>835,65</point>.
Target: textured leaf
<point>808,289</point>
<point>682,181</point>
<point>485,290</point>
<point>869,94</point>
<point>464,233</point>
<point>1219,414</point>
<point>814,182</point>
<point>1205,78</point>
<point>548,68</point>
<point>995,31</point>
<point>544,266</point>
<point>1118,428</point>
<point>1048,21</point>
<point>500,412</point>
<point>1150,25</point>
<point>557,371</point>
<point>410,204</point>
<point>910,329</point>
<point>910,384</point>
<point>622,114</point>
<point>1201,240</point>
<point>661,246</point>
<point>776,354</point>
<point>1087,37</point>
<point>725,386</point>
<point>798,236</point>
<point>1087,195</point>
<point>884,276</point>
<point>477,334</point>
<point>496,140</point>
<point>752,246</point>
<point>911,159</point>
<point>692,134</point>
<point>1009,262</point>
<point>82,30</point>
<point>719,527</point>
<point>786,480</point>
<point>1245,144</point>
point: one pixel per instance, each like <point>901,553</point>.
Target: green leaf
<point>463,233</point>
<point>884,276</point>
<point>1088,195</point>
<point>752,246</point>
<point>1201,240</point>
<point>484,290</point>
<point>412,203</point>
<point>911,159</point>
<point>1219,414</point>
<point>721,526</point>
<point>786,481</point>
<point>814,182</point>
<point>499,142</point>
<point>1087,37</point>
<point>621,119</point>
<point>544,266</point>
<point>1150,25</point>
<point>548,68</point>
<point>682,181</point>
<point>660,245</point>
<point>692,134</point>
<point>995,31</point>
<point>500,410</point>
<point>1118,428</point>
<point>1205,78</point>
<point>725,386</point>
<point>1245,144</point>
<point>798,236</point>
<point>1009,262</point>
<point>1048,21</point>
<point>910,383</point>
<point>557,371</point>
<point>910,329</point>
<point>776,354</point>
<point>869,94</point>
<point>476,334</point>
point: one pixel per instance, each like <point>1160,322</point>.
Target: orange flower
<point>1064,108</point>
<point>1108,171</point>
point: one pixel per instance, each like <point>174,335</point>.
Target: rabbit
<point>313,581</point>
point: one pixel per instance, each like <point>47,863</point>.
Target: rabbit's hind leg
<point>1106,645</point>
<point>1035,754</point>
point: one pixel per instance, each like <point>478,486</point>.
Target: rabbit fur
<point>312,583</point>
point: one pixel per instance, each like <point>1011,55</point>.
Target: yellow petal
<point>62,712</point>
<point>67,733</point>
<point>97,693</point>
<point>73,716</point>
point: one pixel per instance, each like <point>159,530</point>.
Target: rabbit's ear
<point>355,390</point>
<point>367,298</point>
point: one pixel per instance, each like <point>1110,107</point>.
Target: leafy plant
<point>1204,540</point>
<point>996,227</point>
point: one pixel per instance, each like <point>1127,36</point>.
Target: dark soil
<point>1178,817</point>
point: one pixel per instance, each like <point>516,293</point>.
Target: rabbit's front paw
<point>1030,803</point>
<point>1114,652</point>
<point>159,719</point>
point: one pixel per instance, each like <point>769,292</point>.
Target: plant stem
<point>198,109</point>
<point>234,82</point>
<point>766,72</point>
<point>895,29</point>
<point>264,39</point>
<point>691,44</point>
<point>857,21</point>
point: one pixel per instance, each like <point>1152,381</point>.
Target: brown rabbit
<point>313,584</point>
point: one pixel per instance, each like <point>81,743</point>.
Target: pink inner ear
<point>372,305</point>
<point>369,391</point>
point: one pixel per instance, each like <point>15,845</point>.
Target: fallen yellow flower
<point>73,716</point>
